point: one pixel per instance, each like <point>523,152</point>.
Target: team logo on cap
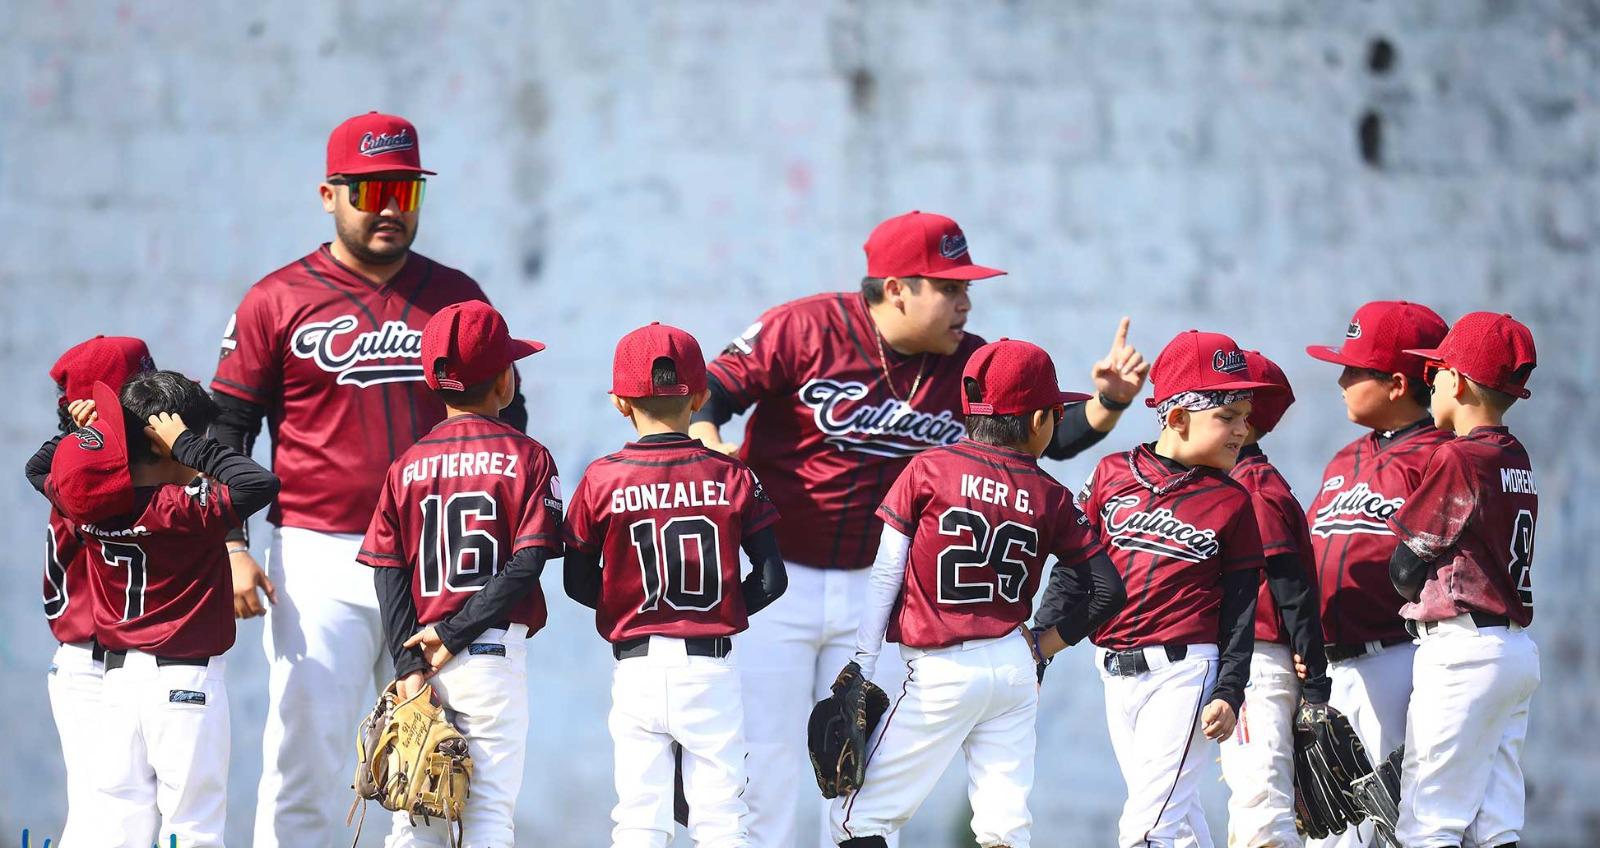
<point>953,246</point>
<point>1353,331</point>
<point>90,439</point>
<point>890,428</point>
<point>377,144</point>
<point>1228,361</point>
<point>322,342</point>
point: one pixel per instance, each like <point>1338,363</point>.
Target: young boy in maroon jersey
<point>1257,760</point>
<point>153,532</point>
<point>1368,649</point>
<point>967,530</point>
<point>76,669</point>
<point>466,519</point>
<point>665,517</point>
<point>1464,567</point>
<point>1183,535</point>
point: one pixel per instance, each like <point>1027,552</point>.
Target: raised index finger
<point>1121,339</point>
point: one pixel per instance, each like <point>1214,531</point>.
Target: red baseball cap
<point>1200,362</point>
<point>466,343</point>
<point>1492,349</point>
<point>1013,377</point>
<point>1379,334</point>
<point>637,353</point>
<point>374,142</point>
<point>89,473</point>
<point>1267,408</point>
<point>922,244</point>
<point>105,359</point>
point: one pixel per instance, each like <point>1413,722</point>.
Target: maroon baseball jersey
<point>982,520</point>
<point>1172,535</point>
<point>336,361</point>
<point>162,583</point>
<point>828,436</point>
<point>1473,516</point>
<point>1362,488</point>
<point>68,605</point>
<point>667,518</point>
<point>1281,523</point>
<point>457,505</point>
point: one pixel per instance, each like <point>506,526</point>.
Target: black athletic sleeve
<point>1297,606</point>
<point>250,486</point>
<point>580,575</point>
<point>492,603</point>
<point>516,412</point>
<point>720,406</point>
<point>1073,434</point>
<point>38,468</point>
<point>237,426</point>
<point>769,578</point>
<point>1236,636</point>
<point>1407,572</point>
<point>399,614</point>
<point>1080,597</point>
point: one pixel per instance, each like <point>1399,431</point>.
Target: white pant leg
<point>1471,696</point>
<point>326,663</point>
<point>705,714</point>
<point>1158,747</point>
<point>1374,692</point>
<point>1257,760</point>
<point>642,756</point>
<point>125,814</point>
<point>188,740</point>
<point>485,692</point>
<point>1000,748</point>
<point>74,688</point>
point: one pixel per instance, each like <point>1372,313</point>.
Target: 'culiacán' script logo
<point>374,144</point>
<point>1156,532</point>
<point>1353,331</point>
<point>325,343</point>
<point>889,428</point>
<point>953,246</point>
<point>1228,361</point>
<point>1357,510</point>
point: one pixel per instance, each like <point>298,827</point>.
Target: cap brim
<point>1426,352</point>
<point>1074,397</point>
<point>1234,386</point>
<point>965,272</point>
<point>380,168</point>
<point>522,348</point>
<point>1334,355</point>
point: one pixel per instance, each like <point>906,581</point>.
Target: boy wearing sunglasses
<point>328,350</point>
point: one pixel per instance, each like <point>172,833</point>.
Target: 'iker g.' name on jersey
<point>828,437</point>
<point>68,606</point>
<point>1362,488</point>
<point>161,578</point>
<point>983,520</point>
<point>1473,516</point>
<point>458,505</point>
<point>336,361</point>
<point>1171,544</point>
<point>667,518</point>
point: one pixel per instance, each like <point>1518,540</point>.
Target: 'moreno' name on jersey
<point>467,464</point>
<point>1356,510</point>
<point>882,429</point>
<point>318,341</point>
<point>1188,542</point>
<point>669,496</point>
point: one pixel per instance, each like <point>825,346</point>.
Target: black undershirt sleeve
<point>1073,434</point>
<point>1407,572</point>
<point>399,614</point>
<point>250,486</point>
<point>580,575</point>
<point>238,425</point>
<point>491,605</point>
<point>768,578</point>
<point>720,407</point>
<point>1236,636</point>
<point>38,468</point>
<point>1297,606</point>
<point>1080,597</point>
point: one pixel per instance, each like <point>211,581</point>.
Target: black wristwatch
<point>1111,405</point>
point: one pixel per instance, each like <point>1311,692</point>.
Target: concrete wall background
<point>603,164</point>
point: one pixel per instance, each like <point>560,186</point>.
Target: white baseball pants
<point>1258,759</point>
<point>1461,783</point>
<point>485,692</point>
<point>1374,692</point>
<point>163,758</point>
<point>324,645</point>
<point>1154,719</point>
<point>668,696</point>
<point>74,686</point>
<point>980,698</point>
<point>787,661</point>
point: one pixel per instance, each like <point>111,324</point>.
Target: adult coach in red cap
<point>844,388</point>
<point>328,350</point>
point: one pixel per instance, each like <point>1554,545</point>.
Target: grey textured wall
<point>603,164</point>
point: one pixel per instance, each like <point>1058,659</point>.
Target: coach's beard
<point>357,239</point>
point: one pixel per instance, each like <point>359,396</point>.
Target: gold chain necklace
<point>883,358</point>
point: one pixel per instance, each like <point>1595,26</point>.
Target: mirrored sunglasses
<point>374,195</point>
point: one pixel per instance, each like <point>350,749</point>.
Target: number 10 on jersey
<point>682,562</point>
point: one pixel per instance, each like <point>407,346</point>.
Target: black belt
<point>1340,653</point>
<point>116,659</point>
<point>627,649</point>
<point>1420,629</point>
<point>1129,663</point>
